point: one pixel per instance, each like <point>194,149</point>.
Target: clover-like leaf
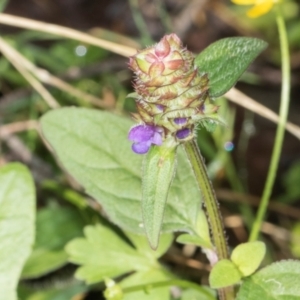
<point>224,273</point>
<point>248,256</point>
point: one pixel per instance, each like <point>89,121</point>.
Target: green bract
<point>170,92</point>
<point>226,60</point>
<point>158,172</point>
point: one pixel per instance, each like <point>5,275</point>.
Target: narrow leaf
<point>279,281</point>
<point>158,173</point>
<point>17,213</point>
<point>226,60</point>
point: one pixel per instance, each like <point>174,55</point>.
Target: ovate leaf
<point>93,146</point>
<point>224,273</point>
<point>248,256</point>
<point>17,214</point>
<point>279,281</point>
<point>226,60</point>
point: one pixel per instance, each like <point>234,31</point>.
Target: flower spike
<point>170,95</point>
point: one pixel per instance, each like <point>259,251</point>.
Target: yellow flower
<point>261,7</point>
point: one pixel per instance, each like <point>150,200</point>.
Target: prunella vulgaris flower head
<point>171,94</point>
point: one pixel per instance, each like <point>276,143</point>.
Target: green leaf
<point>295,240</point>
<point>158,173</point>
<point>102,253</point>
<point>142,246</point>
<point>226,60</point>
<point>60,293</point>
<point>248,256</point>
<point>93,146</point>
<point>113,290</point>
<point>224,273</point>
<point>3,4</point>
<point>202,239</point>
<point>192,240</point>
<point>191,294</point>
<point>147,277</point>
<point>17,214</point>
<point>291,184</point>
<point>43,261</point>
<point>55,227</point>
<point>279,281</point>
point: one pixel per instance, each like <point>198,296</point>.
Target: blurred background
<point>84,75</point>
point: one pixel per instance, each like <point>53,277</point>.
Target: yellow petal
<point>260,9</point>
<point>244,2</point>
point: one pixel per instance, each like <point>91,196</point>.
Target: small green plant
<point>148,180</point>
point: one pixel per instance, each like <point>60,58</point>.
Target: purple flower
<point>143,136</point>
<point>183,133</point>
<point>180,121</point>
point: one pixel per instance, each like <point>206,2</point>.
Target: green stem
<point>140,23</point>
<point>212,208</point>
<point>181,283</point>
<point>283,113</point>
<point>164,16</point>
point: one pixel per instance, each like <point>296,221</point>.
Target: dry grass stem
<point>14,57</point>
<point>12,128</point>
<point>236,96</point>
<point>67,33</point>
<point>44,76</point>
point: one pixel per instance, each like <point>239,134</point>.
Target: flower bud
<point>171,94</point>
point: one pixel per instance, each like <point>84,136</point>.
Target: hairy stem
<point>212,208</point>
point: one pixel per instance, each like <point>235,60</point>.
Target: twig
<point>67,33</point>
<point>12,128</point>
